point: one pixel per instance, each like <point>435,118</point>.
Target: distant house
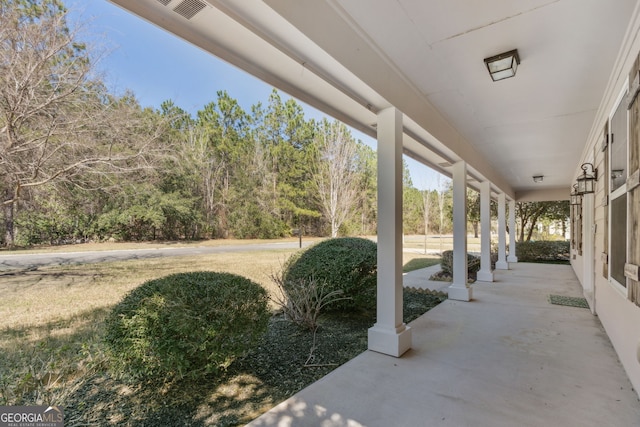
<point>416,75</point>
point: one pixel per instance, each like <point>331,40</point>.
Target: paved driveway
<point>35,260</point>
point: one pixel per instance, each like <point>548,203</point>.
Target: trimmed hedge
<point>345,264</point>
<point>548,251</point>
<point>186,325</point>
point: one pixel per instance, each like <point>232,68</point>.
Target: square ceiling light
<point>503,66</point>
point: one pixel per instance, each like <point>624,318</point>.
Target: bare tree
<point>56,122</point>
<point>426,207</point>
<point>441,194</point>
<point>198,156</point>
<point>336,176</point>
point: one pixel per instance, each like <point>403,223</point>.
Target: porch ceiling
<point>352,58</point>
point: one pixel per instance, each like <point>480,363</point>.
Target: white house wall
<point>619,316</point>
<point>577,263</point>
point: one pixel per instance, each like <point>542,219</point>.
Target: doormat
<point>569,301</point>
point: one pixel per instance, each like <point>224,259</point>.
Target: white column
<point>460,289</point>
<point>512,232</point>
<point>389,335</point>
<point>485,274</point>
<point>502,238</point>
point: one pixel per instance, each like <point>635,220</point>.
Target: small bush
<point>548,251</point>
<point>345,264</point>
<point>186,325</point>
<point>302,301</point>
<point>473,263</point>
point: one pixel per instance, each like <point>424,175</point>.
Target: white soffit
<point>276,54</point>
<point>535,123</point>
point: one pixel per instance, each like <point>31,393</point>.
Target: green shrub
<point>473,263</point>
<point>186,325</point>
<point>557,251</point>
<point>345,264</point>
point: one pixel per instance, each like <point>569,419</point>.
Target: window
<point>618,155</point>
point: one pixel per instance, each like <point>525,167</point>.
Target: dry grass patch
<point>46,294</point>
<point>438,243</point>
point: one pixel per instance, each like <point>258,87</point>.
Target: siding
<point>619,315</point>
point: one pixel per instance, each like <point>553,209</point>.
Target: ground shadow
<point>39,361</point>
<point>287,359</point>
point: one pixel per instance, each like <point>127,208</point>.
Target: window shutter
<point>605,183</point>
<point>579,229</point>
<point>633,227</point>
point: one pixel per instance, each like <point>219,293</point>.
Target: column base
<point>484,276</point>
<point>460,293</point>
<point>512,258</point>
<point>590,301</point>
<point>393,342</point>
<point>502,265</point>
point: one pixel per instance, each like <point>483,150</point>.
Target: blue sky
<point>157,66</point>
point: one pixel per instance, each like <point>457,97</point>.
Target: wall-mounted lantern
<point>587,181</point>
<point>575,198</point>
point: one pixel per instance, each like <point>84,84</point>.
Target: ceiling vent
<point>164,2</point>
<point>189,8</point>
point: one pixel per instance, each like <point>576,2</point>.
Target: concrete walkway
<point>420,279</point>
<point>507,358</point>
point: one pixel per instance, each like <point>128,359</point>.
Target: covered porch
<point>414,75</point>
<point>508,358</point>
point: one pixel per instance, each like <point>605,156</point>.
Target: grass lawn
<point>51,349</point>
<point>418,262</point>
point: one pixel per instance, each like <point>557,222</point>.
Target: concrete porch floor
<point>507,358</point>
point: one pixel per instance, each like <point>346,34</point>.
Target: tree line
<point>79,162</point>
